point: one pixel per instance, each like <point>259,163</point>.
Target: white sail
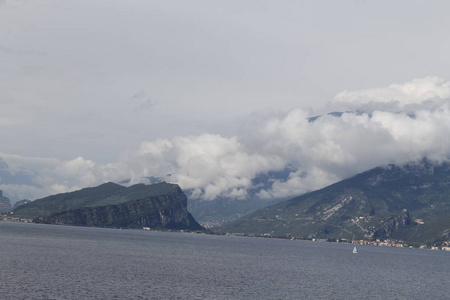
<point>355,250</point>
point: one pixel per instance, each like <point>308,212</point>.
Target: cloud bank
<point>294,152</point>
<point>422,93</point>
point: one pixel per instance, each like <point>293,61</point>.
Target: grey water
<point>62,262</point>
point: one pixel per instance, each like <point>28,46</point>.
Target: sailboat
<point>355,250</point>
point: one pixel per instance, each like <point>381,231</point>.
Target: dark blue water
<point>59,262</point>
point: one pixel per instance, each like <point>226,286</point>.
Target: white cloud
<point>211,163</point>
<point>428,92</point>
<point>82,82</point>
<point>311,153</point>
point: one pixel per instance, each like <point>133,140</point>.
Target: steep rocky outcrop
<point>160,211</point>
<point>388,226</point>
<point>5,203</point>
<point>161,205</point>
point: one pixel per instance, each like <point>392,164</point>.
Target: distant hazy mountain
<point>16,177</point>
<point>224,209</point>
<point>160,205</point>
<point>21,202</point>
<point>221,210</point>
<point>5,203</point>
<point>409,202</point>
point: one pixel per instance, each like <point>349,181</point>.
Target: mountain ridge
<point>160,205</point>
<point>399,202</point>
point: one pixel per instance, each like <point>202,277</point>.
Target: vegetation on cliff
<point>410,202</point>
<point>160,205</point>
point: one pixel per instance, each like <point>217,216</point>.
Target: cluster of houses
<point>11,218</point>
<point>398,243</point>
<point>385,243</point>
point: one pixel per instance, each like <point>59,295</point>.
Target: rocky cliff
<point>160,211</point>
<point>389,226</point>
<point>5,203</point>
<point>159,205</point>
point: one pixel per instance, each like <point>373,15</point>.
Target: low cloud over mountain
<point>400,123</point>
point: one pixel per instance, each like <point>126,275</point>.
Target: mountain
<point>224,209</point>
<point>159,205</point>
<point>19,203</point>
<point>409,202</point>
<point>5,203</point>
<point>212,213</point>
<point>67,201</point>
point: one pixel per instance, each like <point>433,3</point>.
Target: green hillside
<point>385,202</point>
<point>68,201</point>
<point>159,205</point>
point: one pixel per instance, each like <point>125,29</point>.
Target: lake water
<point>61,262</point>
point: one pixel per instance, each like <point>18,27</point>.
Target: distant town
<point>9,217</point>
<point>384,243</point>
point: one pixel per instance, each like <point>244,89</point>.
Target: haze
<point>216,93</point>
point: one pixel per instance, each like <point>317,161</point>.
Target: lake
<point>63,262</point>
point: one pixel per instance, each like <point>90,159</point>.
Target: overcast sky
<point>221,88</point>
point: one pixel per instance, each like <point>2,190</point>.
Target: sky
<point>216,93</point>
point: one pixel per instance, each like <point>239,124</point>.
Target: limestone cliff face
<point>5,203</point>
<point>389,226</point>
<point>168,210</point>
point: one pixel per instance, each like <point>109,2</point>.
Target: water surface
<point>63,262</point>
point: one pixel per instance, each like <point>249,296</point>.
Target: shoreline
<point>386,243</point>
